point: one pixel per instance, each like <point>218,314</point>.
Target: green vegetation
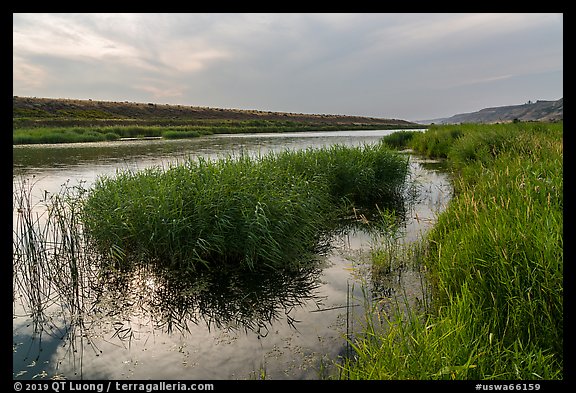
<point>275,210</point>
<point>494,260</point>
<point>399,139</point>
<point>99,134</point>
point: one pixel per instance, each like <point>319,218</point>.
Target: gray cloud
<point>410,66</point>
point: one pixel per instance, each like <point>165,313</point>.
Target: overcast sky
<point>403,66</point>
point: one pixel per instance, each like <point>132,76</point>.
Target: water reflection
<point>222,324</point>
<point>225,298</point>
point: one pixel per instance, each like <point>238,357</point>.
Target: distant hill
<point>26,110</point>
<point>531,111</point>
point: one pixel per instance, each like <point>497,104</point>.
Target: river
<point>293,329</point>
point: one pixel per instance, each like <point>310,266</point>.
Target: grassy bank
<point>75,134</point>
<point>275,210</point>
<point>494,260</point>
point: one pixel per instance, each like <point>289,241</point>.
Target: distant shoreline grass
<point>92,133</point>
<point>494,260</point>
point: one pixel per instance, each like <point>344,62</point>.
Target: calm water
<point>221,326</point>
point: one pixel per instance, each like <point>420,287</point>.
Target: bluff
<point>531,111</point>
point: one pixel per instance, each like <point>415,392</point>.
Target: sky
<point>406,66</point>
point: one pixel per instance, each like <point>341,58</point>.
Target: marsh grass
<point>494,261</point>
<point>271,211</point>
<point>104,133</point>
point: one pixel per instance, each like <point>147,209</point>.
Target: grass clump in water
<point>271,211</point>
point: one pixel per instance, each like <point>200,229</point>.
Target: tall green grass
<point>400,139</point>
<point>274,210</point>
<point>495,263</point>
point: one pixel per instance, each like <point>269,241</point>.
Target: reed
<point>273,210</point>
<point>55,279</point>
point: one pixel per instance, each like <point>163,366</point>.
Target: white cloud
<point>26,76</point>
<point>187,58</point>
<point>57,36</point>
<point>425,32</point>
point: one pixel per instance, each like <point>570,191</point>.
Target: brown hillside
<point>532,111</point>
<point>49,108</point>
